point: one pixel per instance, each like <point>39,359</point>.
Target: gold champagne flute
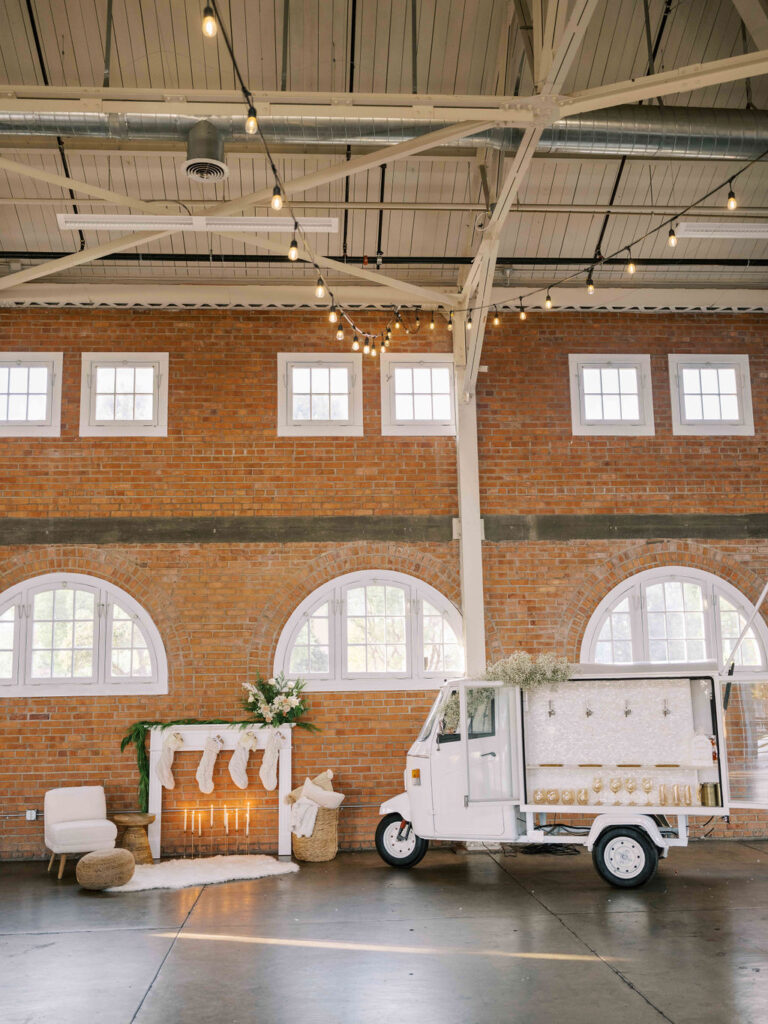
<point>630,784</point>
<point>615,785</point>
<point>567,796</point>
<point>597,785</point>
<point>647,784</point>
<point>582,797</point>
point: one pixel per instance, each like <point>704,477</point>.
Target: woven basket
<point>323,844</point>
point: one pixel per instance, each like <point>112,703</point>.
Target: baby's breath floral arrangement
<point>277,701</point>
<point>520,669</point>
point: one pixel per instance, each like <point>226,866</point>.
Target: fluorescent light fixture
<point>149,222</point>
<point>718,229</point>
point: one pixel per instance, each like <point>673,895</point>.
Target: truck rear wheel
<point>397,843</point>
<point>625,857</point>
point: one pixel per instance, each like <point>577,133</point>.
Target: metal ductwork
<point>629,130</point>
<point>205,154</point>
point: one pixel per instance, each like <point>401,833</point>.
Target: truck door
<point>472,771</point>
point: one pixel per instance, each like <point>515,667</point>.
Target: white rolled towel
<point>172,741</point>
<point>303,817</point>
<point>204,773</point>
<point>238,763</point>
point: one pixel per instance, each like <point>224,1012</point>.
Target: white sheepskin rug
<point>178,874</point>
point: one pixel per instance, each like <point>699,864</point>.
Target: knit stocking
<point>238,763</point>
<point>172,741</point>
<point>268,770</point>
<point>204,773</point>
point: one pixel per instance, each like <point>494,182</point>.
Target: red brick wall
<point>220,608</point>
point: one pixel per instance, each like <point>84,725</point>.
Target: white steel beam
<point>754,14</point>
<point>634,297</point>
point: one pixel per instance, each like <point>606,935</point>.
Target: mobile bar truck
<point>626,757</point>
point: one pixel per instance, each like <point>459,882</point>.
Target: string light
<point>397,322</point>
<point>320,289</point>
<point>293,251</point>
<point>496,318</point>
<point>672,238</point>
<point>366,346</point>
<point>469,320</point>
<point>523,314</point>
<point>418,321</point>
<point>432,322</point>
<point>385,343</point>
<point>210,28</point>
<point>548,301</point>
<point>333,316</point>
<point>590,284</point>
<point>373,348</point>
<point>355,344</point>
<point>340,333</point>
<point>731,204</point>
<point>450,321</point>
<point>277,198</point>
<point>389,335</point>
<point>251,122</point>
<point>630,267</point>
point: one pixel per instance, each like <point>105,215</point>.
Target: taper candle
<point>237,818</point>
<point>248,820</point>
<point>226,819</point>
<point>185,819</point>
<point>211,815</point>
<point>199,823</point>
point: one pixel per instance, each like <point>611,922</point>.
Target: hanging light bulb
<point>432,322</point>
<point>397,322</point>
<point>293,251</point>
<point>731,204</point>
<point>469,320</point>
<point>374,353</point>
<point>590,284</point>
<point>418,320</point>
<point>450,321</point>
<point>210,28</point>
<point>630,267</point>
<point>320,289</point>
<point>251,122</point>
<point>496,318</point>
<point>523,314</point>
<point>355,344</point>
<point>672,238</point>
<point>548,301</point>
<point>385,342</point>
<point>389,335</point>
<point>333,316</point>
<point>340,333</point>
<point>277,198</point>
<point>366,346</point>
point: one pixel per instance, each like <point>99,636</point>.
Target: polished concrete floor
<point>465,938</point>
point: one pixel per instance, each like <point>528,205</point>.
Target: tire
<point>625,857</point>
<point>403,853</point>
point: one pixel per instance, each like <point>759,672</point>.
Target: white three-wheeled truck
<point>615,762</point>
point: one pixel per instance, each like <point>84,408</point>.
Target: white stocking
<point>238,763</point>
<point>268,770</point>
<point>172,741</point>
<point>204,773</point>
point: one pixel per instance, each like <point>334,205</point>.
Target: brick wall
<point>220,607</point>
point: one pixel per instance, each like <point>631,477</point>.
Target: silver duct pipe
<point>630,130</point>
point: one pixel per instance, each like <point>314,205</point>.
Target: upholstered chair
<point>76,822</point>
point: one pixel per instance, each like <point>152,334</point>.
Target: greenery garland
<point>137,735</point>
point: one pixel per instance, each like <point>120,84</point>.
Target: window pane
<point>628,380</point>
<point>145,380</point>
<point>732,622</point>
<point>710,407</point>
<point>7,620</point>
<point>339,383</point>
<point>729,407</point>
<point>105,407</point>
<point>41,664</point>
<point>709,381</point>
<point>422,407</point>
<point>339,407</point>
<point>320,379</point>
<point>301,407</point>
<point>377,638</point>
<point>301,378</point>
<point>143,407</point>
<point>404,407</point>
<point>727,380</point>
<point>356,601</point>
<point>124,380</point>
<point>441,380</point>
<point>18,378</point>
<point>610,380</point>
<point>441,407</point>
<point>36,405</point>
<point>403,380</point>
<point>611,407</point>
<point>321,407</point>
<point>693,408</point>
<point>630,409</point>
<point>124,407</point>
<point>591,381</point>
<point>105,379</point>
<point>422,393</point>
<point>593,407</point>
<point>17,407</point>
<point>748,742</point>
<point>422,380</point>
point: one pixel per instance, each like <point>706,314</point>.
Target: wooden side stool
<point>133,836</point>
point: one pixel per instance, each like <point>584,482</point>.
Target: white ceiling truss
<point>533,208</point>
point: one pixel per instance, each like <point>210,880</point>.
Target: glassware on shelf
<point>567,796</point>
<point>597,785</point>
<point>553,796</point>
<point>582,797</point>
<point>676,795</point>
<point>539,795</point>
<point>687,796</point>
<point>630,784</point>
<point>663,796</point>
<point>615,785</point>
<point>647,783</point>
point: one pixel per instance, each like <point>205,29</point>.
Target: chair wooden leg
<point>62,862</point>
<point>50,862</point>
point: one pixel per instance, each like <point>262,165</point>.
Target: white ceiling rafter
<point>754,14</point>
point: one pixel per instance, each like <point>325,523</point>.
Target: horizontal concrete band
<point>309,529</point>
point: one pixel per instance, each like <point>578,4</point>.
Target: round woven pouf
<point>104,868</point>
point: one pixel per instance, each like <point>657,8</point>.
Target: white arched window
<point>674,614</point>
<point>66,634</point>
<point>372,630</point>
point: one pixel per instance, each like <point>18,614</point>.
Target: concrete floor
<point>462,939</point>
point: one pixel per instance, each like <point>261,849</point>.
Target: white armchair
<point>76,822</point>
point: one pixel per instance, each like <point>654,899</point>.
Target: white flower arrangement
<point>277,701</point>
<point>520,669</point>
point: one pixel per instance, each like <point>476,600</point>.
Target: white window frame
<point>51,426</point>
<point>712,586</point>
<point>744,427</point>
<point>102,683</point>
<point>287,427</point>
<point>390,425</point>
<point>157,427</point>
<point>643,427</point>
<point>334,594</point>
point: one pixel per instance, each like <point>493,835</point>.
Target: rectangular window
<point>611,394</point>
<point>319,395</point>
<point>711,395</point>
<point>124,394</point>
<point>376,630</point>
<point>30,394</point>
<point>417,394</point>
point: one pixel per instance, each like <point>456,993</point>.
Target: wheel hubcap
<point>395,847</point>
<point>624,857</point>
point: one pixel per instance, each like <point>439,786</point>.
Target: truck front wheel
<point>397,843</point>
<point>625,857</point>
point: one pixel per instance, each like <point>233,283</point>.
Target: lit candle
<point>199,823</point>
<point>248,820</point>
<point>185,819</point>
<point>211,815</point>
<point>226,819</point>
<point>237,818</point>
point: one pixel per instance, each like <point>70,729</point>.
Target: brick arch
<point>440,573</point>
<point>579,607</point>
<point>124,572</point>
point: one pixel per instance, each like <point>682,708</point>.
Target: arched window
<point>674,614</point>
<point>372,630</point>
<point>75,635</point>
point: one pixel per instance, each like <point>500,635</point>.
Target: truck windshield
<point>426,731</point>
